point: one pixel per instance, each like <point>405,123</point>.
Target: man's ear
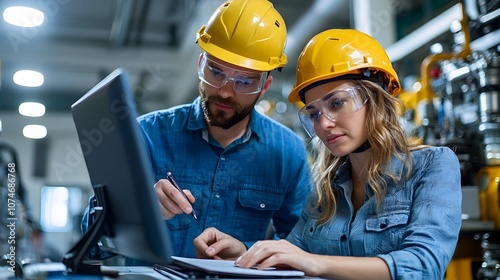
<point>266,86</point>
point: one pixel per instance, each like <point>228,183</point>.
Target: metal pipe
<point>426,90</point>
<point>121,22</point>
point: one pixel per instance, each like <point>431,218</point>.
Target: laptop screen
<point>114,150</point>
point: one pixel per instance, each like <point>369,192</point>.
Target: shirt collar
<point>342,174</point>
<point>196,118</point>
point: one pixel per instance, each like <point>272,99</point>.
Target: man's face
<point>224,112</point>
<point>223,107</point>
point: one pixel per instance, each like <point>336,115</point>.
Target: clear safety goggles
<point>335,106</point>
<point>216,75</point>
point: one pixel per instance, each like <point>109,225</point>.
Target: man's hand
<point>172,202</point>
<point>214,244</point>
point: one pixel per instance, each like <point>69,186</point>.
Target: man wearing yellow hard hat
<point>228,158</point>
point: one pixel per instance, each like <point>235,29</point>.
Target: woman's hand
<point>280,254</point>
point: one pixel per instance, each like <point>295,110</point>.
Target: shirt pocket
<point>260,200</point>
<point>320,239</point>
<point>255,209</point>
<point>384,232</point>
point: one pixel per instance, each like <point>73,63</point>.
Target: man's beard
<point>218,118</point>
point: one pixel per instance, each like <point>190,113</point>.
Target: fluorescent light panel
<point>35,131</point>
<point>23,16</point>
<point>28,78</point>
<point>32,109</point>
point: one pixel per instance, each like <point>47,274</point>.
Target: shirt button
<point>311,229</point>
<point>262,205</point>
<point>222,158</point>
<point>217,195</point>
<point>343,237</point>
<point>382,226</point>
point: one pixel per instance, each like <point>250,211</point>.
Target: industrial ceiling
<point>80,42</point>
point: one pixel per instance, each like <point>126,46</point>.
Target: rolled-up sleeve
<point>432,232</point>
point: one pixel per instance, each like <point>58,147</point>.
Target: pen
<point>170,177</point>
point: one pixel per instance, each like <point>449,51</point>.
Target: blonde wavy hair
<point>387,138</point>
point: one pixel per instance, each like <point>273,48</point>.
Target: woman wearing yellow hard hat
<point>382,208</point>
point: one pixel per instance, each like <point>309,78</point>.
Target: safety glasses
<point>335,106</point>
<point>217,75</point>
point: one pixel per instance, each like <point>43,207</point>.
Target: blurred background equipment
<point>457,104</point>
<point>21,235</point>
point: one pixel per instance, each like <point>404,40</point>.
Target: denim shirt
<point>239,189</point>
<point>416,229</point>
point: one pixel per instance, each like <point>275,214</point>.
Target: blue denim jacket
<point>416,229</point>
<point>260,177</point>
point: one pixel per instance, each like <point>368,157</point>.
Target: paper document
<point>228,268</point>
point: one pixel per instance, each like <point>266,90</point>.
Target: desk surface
<point>53,271</point>
<point>148,273</point>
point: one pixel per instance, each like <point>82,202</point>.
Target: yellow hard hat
<point>342,54</point>
<point>246,33</point>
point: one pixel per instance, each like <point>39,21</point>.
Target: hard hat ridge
<point>246,33</point>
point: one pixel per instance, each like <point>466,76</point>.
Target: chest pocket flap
<point>387,221</point>
<point>260,199</point>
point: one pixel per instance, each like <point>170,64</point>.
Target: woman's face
<point>337,114</point>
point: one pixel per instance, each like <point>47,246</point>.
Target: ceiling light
<point>28,78</point>
<point>32,109</point>
<point>35,131</point>
<point>23,16</point>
